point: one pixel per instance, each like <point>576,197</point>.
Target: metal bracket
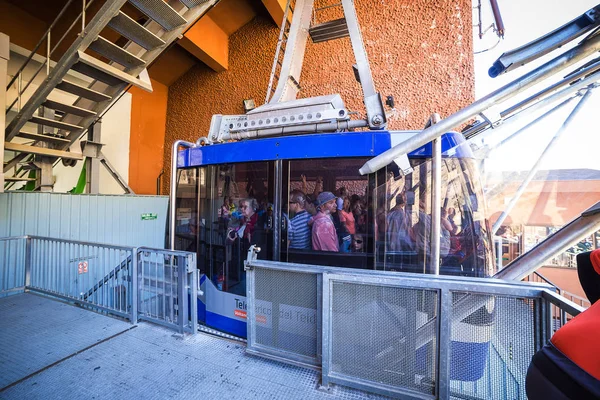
<point>252,256</point>
<point>492,116</point>
<point>91,149</point>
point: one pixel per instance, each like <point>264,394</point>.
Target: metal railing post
<point>182,293</point>
<point>27,262</point>
<point>172,195</point>
<point>19,89</point>
<point>48,55</point>
<point>436,201</point>
<point>134,285</point>
<point>193,284</point>
<point>83,17</point>
<point>444,344</point>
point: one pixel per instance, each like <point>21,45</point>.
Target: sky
<point>525,21</point>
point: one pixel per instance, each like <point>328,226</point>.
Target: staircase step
<point>22,148</point>
<point>329,30</point>
<point>193,3</point>
<point>81,91</point>
<point>55,124</point>
<point>135,32</point>
<point>116,53</point>
<point>108,74</point>
<point>17,179</point>
<point>43,138</point>
<point>69,109</point>
<point>160,12</point>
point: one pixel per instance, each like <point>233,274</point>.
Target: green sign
<point>148,216</point>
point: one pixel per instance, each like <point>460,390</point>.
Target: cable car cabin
<point>266,192</point>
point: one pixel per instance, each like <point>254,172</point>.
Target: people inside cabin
<point>346,216</point>
<point>446,232</point>
<point>224,214</point>
<point>422,237</point>
<point>360,215</point>
<point>311,198</point>
<point>398,227</point>
<point>344,237</point>
<point>342,193</point>
<point>299,233</point>
<point>569,366</point>
<point>249,208</point>
<point>357,243</point>
<point>324,235</point>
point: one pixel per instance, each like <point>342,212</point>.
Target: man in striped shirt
<point>299,234</point>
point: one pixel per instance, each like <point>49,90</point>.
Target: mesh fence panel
<point>373,335</point>
<point>491,348</point>
<point>286,311</point>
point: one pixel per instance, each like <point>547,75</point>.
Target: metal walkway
<point>53,350</point>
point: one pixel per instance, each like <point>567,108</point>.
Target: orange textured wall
<point>146,142</point>
<point>420,52</point>
<point>23,29</point>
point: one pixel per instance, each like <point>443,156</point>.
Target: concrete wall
<point>420,52</point>
<point>147,140</point>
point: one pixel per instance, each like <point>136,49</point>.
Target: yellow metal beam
<point>275,9</point>
<point>23,148</point>
<point>208,43</point>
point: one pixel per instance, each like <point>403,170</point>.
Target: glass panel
<point>242,214</point>
<point>186,214</point>
<point>404,220</point>
<point>329,213</point>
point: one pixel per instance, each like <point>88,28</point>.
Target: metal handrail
<point>562,303</point>
<point>50,51</point>
<point>36,48</point>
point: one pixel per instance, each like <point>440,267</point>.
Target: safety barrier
<point>401,334</point>
<point>133,283</point>
<point>167,280</point>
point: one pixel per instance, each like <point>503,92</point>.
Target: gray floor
<point>145,361</point>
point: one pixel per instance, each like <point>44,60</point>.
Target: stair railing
<point>49,51</point>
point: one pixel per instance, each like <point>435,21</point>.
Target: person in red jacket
<point>569,366</point>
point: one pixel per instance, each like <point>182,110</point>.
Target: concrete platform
<point>52,350</point>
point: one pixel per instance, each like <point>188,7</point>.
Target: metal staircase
<point>111,67</point>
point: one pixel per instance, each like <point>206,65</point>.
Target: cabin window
<point>403,222</point>
<point>337,233</point>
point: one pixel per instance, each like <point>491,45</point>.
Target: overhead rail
<point>552,67</point>
<point>532,51</point>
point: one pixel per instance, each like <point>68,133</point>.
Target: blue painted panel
<point>330,145</point>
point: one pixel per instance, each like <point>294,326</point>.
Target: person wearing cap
<point>298,230</point>
<point>569,366</point>
<point>324,236</point>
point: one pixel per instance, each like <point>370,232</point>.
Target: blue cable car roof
<point>325,145</point>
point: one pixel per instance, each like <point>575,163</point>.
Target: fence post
<point>134,285</point>
<point>181,293</point>
<point>444,344</point>
<point>193,306</point>
<point>27,262</point>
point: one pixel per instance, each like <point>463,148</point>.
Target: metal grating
<point>193,3</point>
<point>373,335</point>
<point>286,313</point>
<point>115,53</point>
<point>492,347</point>
<point>129,28</point>
<point>160,12</point>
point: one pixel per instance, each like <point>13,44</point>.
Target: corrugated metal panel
<point>115,220</point>
<point>95,218</point>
